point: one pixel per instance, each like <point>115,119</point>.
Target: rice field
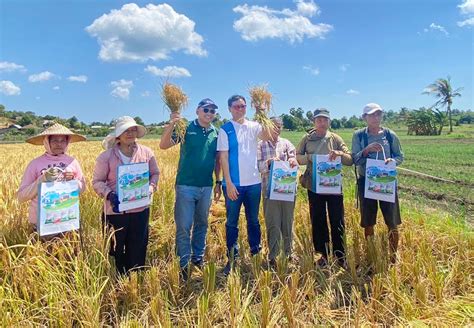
<point>448,157</point>
<point>73,282</point>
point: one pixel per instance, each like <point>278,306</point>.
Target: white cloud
<point>135,33</point>
<point>436,28</point>
<point>313,71</point>
<point>56,88</point>
<point>307,8</point>
<point>146,93</point>
<point>11,67</point>
<point>344,67</point>
<point>168,71</point>
<point>352,92</point>
<point>9,88</point>
<point>467,22</point>
<point>41,77</point>
<point>292,25</point>
<point>121,88</point>
<point>78,78</point>
<point>467,9</point>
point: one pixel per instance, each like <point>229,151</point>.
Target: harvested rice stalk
<point>175,100</point>
<point>261,101</point>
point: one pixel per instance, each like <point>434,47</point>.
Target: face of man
<point>238,109</point>
<point>58,144</point>
<point>374,119</point>
<point>321,123</point>
<point>205,115</point>
<point>129,136</point>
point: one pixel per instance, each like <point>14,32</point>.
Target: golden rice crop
<point>176,100</point>
<point>261,101</point>
<point>73,282</point>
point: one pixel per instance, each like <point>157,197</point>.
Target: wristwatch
<point>218,182</point>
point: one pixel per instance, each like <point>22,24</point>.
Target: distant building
<point>11,127</point>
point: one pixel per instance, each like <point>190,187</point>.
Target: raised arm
<point>266,133</point>
<point>166,140</point>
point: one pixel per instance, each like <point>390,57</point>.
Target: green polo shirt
<point>197,156</point>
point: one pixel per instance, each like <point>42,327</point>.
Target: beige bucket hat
<point>55,129</point>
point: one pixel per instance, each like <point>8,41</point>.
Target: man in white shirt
<point>237,145</point>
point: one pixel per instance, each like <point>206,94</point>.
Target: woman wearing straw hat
<point>130,228</point>
<point>53,165</point>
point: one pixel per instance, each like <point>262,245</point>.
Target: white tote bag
<point>380,179</point>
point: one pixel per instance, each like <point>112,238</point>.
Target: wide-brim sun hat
<point>121,125</point>
<point>126,122</point>
<point>54,130</point>
<point>371,108</point>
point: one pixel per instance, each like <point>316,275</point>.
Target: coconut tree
<point>443,90</point>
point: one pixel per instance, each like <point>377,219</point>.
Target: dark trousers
<point>369,208</point>
<point>317,211</point>
<point>129,240</point>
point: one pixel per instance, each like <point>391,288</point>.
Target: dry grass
<point>74,284</point>
<point>176,100</point>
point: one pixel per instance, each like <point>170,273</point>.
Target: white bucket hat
<point>125,122</point>
<point>121,125</point>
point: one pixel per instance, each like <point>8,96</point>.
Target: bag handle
<point>383,152</point>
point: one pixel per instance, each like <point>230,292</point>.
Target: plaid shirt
<point>283,149</point>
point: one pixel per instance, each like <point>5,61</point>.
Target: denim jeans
<point>250,197</point>
<point>191,211</point>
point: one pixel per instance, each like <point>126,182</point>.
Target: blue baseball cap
<point>207,103</point>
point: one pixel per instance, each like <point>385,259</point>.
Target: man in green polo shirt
<point>198,159</point>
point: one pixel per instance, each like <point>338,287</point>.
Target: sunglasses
<point>209,110</point>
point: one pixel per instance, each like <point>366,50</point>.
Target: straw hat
<point>55,129</point>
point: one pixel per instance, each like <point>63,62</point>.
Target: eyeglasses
<point>209,110</point>
<point>239,106</point>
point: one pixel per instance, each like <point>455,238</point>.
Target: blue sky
<point>102,59</point>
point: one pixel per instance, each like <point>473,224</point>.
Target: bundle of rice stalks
<point>261,100</point>
<point>175,100</point>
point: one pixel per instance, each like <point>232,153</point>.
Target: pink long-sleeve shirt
<point>105,172</point>
<point>33,175</point>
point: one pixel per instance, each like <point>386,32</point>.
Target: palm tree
<point>442,90</point>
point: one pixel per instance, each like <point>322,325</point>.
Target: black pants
<point>130,239</point>
<point>317,211</point>
<point>369,208</point>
